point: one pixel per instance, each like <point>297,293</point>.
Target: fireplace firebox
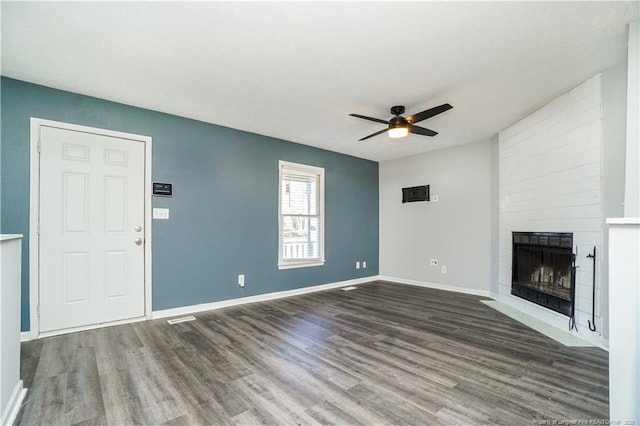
<point>543,270</point>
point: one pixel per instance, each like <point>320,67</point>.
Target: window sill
<point>293,265</point>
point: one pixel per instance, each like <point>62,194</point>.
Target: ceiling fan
<point>399,127</point>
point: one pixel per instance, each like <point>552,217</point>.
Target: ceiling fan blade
<point>421,131</point>
<point>377,120</point>
<point>428,113</point>
<point>373,134</point>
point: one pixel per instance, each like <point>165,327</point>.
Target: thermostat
<point>162,189</point>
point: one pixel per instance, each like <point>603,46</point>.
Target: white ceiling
<point>296,70</point>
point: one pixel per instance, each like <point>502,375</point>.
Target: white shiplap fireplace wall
<point>550,180</point>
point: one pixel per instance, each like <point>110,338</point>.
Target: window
<point>301,216</point>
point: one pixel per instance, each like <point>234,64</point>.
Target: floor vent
<point>183,319</point>
<point>348,288</point>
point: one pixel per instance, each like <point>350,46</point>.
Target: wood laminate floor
<point>382,354</point>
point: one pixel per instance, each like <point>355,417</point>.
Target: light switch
<point>160,213</point>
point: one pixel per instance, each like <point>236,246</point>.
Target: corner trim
<point>13,405</point>
<point>465,290</point>
<point>191,309</point>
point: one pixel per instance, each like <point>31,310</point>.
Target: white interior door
<point>91,229</point>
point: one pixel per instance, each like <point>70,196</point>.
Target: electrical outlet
<point>160,213</point>
<point>443,269</point>
<point>241,280</point>
<point>357,265</point>
<point>434,262</point>
<point>364,264</point>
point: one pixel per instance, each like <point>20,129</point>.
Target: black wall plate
<point>161,189</point>
<point>415,193</point>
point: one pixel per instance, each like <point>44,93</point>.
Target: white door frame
<point>34,209</point>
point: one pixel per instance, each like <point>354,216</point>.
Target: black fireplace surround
<point>543,270</point>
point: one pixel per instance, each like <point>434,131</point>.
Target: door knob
<point>138,241</point>
<point>138,228</point>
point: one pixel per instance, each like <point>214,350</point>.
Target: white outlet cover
<point>357,265</point>
<point>364,265</point>
<point>443,269</point>
<point>160,213</point>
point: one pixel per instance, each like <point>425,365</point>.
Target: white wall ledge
<point>623,221</point>
<point>7,237</point>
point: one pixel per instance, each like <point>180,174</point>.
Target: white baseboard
<point>551,318</point>
<point>192,309</point>
<point>26,336</point>
<point>437,286</point>
<point>12,408</point>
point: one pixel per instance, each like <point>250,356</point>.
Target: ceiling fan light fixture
<point>398,127</point>
<point>398,132</point>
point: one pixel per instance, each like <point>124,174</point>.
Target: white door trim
<point>34,208</point>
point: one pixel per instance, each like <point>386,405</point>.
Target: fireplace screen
<point>542,269</point>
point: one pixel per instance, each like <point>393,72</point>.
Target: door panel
<point>91,201</point>
<point>74,195</point>
<point>75,277</point>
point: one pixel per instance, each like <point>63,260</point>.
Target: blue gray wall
<point>223,219</point>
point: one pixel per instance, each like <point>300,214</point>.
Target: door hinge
<point>38,310</point>
<point>39,146</point>
<point>38,229</point>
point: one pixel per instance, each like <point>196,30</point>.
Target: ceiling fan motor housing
<point>398,121</point>
<point>397,110</point>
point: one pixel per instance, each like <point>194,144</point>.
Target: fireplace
<point>543,269</point>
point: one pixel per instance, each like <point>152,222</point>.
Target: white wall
<point>456,230</point>
<point>624,268</point>
<point>495,217</point>
<point>551,181</point>
<point>11,390</point>
<point>632,179</point>
<point>624,369</point>
<point>614,109</point>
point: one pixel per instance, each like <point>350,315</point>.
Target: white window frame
<point>318,171</point>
